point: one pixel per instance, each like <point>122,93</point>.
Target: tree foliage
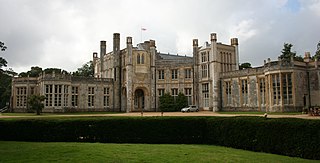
<point>5,89</point>
<point>35,103</point>
<point>36,71</point>
<point>181,101</point>
<point>317,54</point>
<point>86,70</point>
<point>3,63</point>
<point>2,46</point>
<point>245,65</point>
<point>286,52</point>
<point>168,103</point>
<point>5,80</point>
<point>55,70</point>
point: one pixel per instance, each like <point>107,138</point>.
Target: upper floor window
<point>174,74</point>
<point>140,59</point>
<point>204,69</point>
<point>161,74</point>
<point>204,56</point>
<point>187,73</point>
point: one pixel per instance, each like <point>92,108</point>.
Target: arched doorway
<point>139,100</point>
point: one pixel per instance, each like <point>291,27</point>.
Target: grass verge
<point>98,152</point>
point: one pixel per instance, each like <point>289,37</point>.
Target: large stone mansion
<point>133,79</point>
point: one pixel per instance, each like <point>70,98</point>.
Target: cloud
<point>64,33</point>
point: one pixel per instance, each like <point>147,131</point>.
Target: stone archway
<point>139,100</point>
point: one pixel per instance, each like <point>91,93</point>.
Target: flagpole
<point>142,29</point>
<point>141,35</point>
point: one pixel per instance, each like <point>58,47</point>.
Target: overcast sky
<point>64,33</point>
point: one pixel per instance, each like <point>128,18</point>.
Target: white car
<point>190,108</point>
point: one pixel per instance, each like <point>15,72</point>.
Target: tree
<point>317,54</point>
<point>35,103</point>
<point>86,70</point>
<point>5,89</point>
<point>3,63</point>
<point>245,65</point>
<point>181,101</point>
<point>5,80</point>
<point>286,52</point>
<point>166,102</point>
<point>2,46</point>
<point>36,71</point>
<point>55,70</point>
<point>298,58</point>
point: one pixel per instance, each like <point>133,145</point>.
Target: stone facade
<point>133,79</point>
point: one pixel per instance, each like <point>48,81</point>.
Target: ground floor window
<point>227,93</point>
<point>21,95</point>
<point>205,94</point>
<point>188,93</point>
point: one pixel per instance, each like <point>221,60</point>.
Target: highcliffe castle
<point>133,79</point>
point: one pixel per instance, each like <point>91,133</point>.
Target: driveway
<point>149,114</point>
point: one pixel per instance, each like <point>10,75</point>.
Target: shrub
<point>291,137</point>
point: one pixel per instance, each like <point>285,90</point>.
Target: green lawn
<point>261,113</point>
<point>98,152</point>
<point>53,114</point>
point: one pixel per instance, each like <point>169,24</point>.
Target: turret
<point>213,37</point>
<point>307,57</point>
<point>234,43</point>
<point>94,60</point>
<point>103,50</point>
<point>116,42</point>
<point>152,47</point>
<point>129,49</point>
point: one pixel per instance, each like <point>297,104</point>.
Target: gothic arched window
<point>138,59</point>
<point>142,59</point>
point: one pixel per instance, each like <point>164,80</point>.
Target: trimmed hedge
<point>291,137</point>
